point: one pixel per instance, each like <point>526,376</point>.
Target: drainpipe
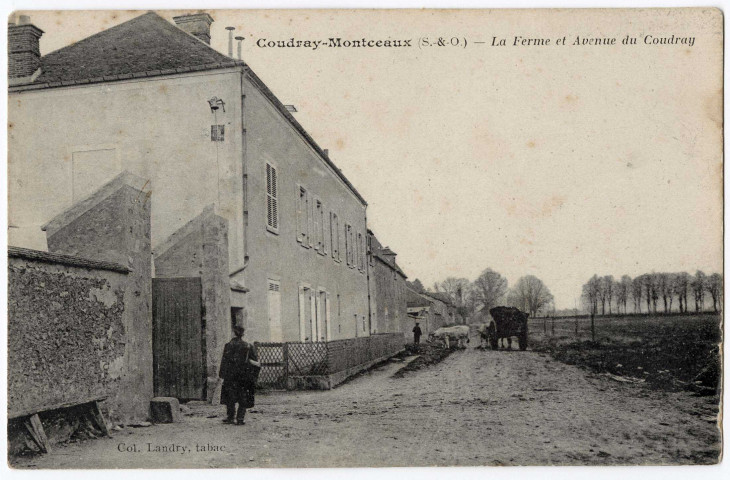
<point>244,179</point>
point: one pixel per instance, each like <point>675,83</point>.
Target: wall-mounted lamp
<point>216,103</point>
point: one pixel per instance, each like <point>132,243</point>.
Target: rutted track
<point>476,407</point>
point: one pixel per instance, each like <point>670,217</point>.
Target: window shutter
<point>310,215</point>
<point>335,236</point>
<point>301,214</point>
<point>272,199</point>
<point>325,243</point>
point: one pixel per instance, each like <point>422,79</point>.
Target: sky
<point>556,161</point>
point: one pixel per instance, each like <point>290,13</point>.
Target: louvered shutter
<point>272,199</point>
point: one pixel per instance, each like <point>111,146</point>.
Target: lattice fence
<point>280,361</point>
<point>273,365</point>
<point>307,359</point>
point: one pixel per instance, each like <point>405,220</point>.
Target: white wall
<point>157,128</point>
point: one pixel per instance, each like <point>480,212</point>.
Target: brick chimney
<point>196,24</point>
<point>24,55</point>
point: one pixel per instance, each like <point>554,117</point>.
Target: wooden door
<point>178,338</point>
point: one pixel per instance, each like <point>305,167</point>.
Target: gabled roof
<point>390,263</point>
<point>442,297</point>
<point>415,299</point>
<point>147,43</point>
<point>149,46</point>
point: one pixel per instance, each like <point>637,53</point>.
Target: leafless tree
<point>609,290</point>
<point>592,293</point>
<point>651,294</point>
<point>623,289</point>
<point>489,288</point>
<point>699,285</point>
<point>458,290</point>
<point>664,288</point>
<point>681,287</point>
<point>714,286</point>
<point>416,286</point>
<point>531,294</point>
<point>637,289</point>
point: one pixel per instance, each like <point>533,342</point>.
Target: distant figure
<point>417,334</point>
<point>239,371</point>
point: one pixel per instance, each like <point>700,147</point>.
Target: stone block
<point>165,410</point>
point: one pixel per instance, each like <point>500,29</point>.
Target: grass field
<point>664,352</point>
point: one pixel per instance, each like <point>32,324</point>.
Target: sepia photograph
<point>349,238</point>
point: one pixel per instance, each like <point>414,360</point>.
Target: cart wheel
<point>522,340</point>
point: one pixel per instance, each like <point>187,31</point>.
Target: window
<point>302,216</point>
<point>274,301</point>
<point>335,236</point>
<point>318,226</point>
<point>310,222</point>
<point>360,249</point>
<point>371,257</point>
<point>217,133</point>
<point>348,245</point>
<point>325,236</point>
<point>272,199</point>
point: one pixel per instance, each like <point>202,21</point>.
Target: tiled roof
<point>69,260</point>
<point>415,299</point>
<point>390,263</point>
<point>442,297</point>
<point>147,43</point>
<point>149,46</point>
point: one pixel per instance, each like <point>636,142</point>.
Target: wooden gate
<point>178,338</point>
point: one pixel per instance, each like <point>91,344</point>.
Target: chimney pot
<point>196,24</point>
<point>240,40</point>
<point>230,40</point>
<point>24,55</point>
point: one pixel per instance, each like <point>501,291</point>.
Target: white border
<point>562,473</point>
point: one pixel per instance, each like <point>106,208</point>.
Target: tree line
<point>490,289</point>
<point>654,291</point>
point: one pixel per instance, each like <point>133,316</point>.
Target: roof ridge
<point>93,36</point>
<point>141,46</point>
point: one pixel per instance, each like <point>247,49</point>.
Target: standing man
<point>417,334</point>
<point>239,371</point>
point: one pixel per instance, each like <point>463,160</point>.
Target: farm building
<point>431,310</point>
<point>388,290</point>
<point>251,221</point>
<point>204,130</point>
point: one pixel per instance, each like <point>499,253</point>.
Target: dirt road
<point>475,408</point>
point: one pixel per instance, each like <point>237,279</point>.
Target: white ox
<point>457,335</point>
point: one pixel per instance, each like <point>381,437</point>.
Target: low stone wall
<point>66,334</point>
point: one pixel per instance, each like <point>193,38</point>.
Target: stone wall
<point>113,225</point>
<point>66,334</point>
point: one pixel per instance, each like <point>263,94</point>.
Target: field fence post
<point>552,326</point>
